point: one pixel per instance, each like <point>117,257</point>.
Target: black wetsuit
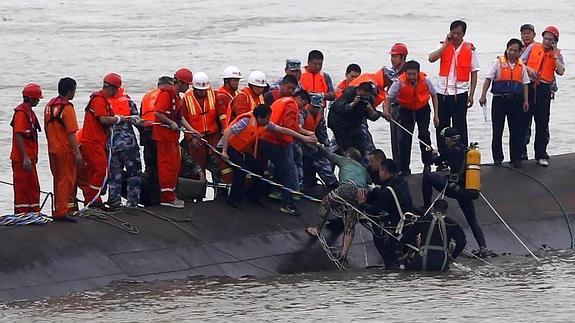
<point>454,156</point>
<point>381,200</point>
<point>433,255</point>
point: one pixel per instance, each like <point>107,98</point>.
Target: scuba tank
<point>473,171</point>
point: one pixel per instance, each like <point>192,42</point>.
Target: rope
<point>553,195</point>
<point>508,227</point>
<point>428,146</point>
<point>193,235</point>
<point>104,217</point>
<point>49,195</point>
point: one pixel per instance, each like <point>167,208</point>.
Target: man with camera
<point>347,114</point>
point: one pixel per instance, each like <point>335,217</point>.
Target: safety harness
<point>438,218</point>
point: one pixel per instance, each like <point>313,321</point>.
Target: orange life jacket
<point>54,109</point>
<point>33,126</point>
<point>148,107</point>
<point>542,61</point>
<point>462,62</point>
<point>340,87</point>
<point>313,83</point>
<point>277,117</point>
<point>376,79</point>
<point>310,122</point>
<point>109,111</point>
<point>246,140</point>
<point>203,118</point>
<point>252,98</point>
<point>510,80</point>
<point>223,99</point>
<point>413,97</point>
<point>120,103</point>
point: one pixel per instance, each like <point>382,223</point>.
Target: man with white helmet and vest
<point>543,61</point>
<point>201,113</point>
<point>231,76</point>
<point>24,155</point>
<point>457,81</point>
<point>166,133</point>
<point>249,97</point>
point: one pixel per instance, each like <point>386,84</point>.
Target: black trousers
<point>456,191</point>
<point>408,119</point>
<point>452,113</point>
<point>246,161</point>
<point>512,109</point>
<point>539,110</point>
<point>387,246</point>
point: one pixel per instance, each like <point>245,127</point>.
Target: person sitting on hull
<point>393,201</point>
<point>435,231</point>
<point>454,183</point>
<point>342,203</point>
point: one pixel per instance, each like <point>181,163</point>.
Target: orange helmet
<point>398,49</point>
<point>32,90</point>
<point>184,75</point>
<point>553,30</point>
<point>113,79</point>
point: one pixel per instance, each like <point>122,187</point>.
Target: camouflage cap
<point>293,64</point>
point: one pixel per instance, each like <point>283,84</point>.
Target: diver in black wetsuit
<point>383,200</point>
<point>436,231</point>
<point>454,156</point>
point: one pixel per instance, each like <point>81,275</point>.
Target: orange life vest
<point>54,109</point>
<point>313,83</point>
<point>120,103</point>
<point>202,118</point>
<point>413,97</point>
<point>462,62</point>
<point>510,80</point>
<point>252,98</point>
<point>277,117</point>
<point>542,61</point>
<point>223,99</point>
<point>246,140</point>
<point>310,122</point>
<point>340,87</point>
<point>148,107</point>
<point>376,79</point>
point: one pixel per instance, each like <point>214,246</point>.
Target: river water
<point>42,41</point>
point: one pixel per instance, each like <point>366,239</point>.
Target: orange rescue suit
<point>26,185</point>
<point>462,62</point>
<point>413,97</point>
<point>243,102</point>
<point>223,99</point>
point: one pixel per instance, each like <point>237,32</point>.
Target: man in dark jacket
<point>436,231</point>
<point>347,113</point>
<point>388,204</point>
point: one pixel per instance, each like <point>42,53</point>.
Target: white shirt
<point>494,72</point>
<point>446,85</point>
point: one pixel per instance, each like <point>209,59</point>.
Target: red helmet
<point>113,79</point>
<point>553,30</point>
<point>184,75</point>
<point>32,90</point>
<point>398,49</point>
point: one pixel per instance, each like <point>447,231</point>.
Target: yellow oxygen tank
<point>473,171</point>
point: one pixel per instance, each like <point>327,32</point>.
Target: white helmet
<point>201,81</point>
<point>232,72</point>
<point>257,78</point>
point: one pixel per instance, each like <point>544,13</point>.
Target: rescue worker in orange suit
<point>61,125</point>
<point>313,80</point>
<point>24,154</point>
<point>166,133</point>
<point>224,95</point>
<point>99,117</point>
<point>351,73</point>
<point>287,88</point>
<point>510,100</point>
<point>293,67</point>
<point>457,81</point>
<point>543,61</point>
<point>148,117</point>
<point>239,144</point>
<point>279,148</point>
<point>201,113</point>
<point>412,91</point>
<point>249,97</point>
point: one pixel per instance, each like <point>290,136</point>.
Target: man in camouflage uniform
<point>125,155</point>
<point>312,161</point>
